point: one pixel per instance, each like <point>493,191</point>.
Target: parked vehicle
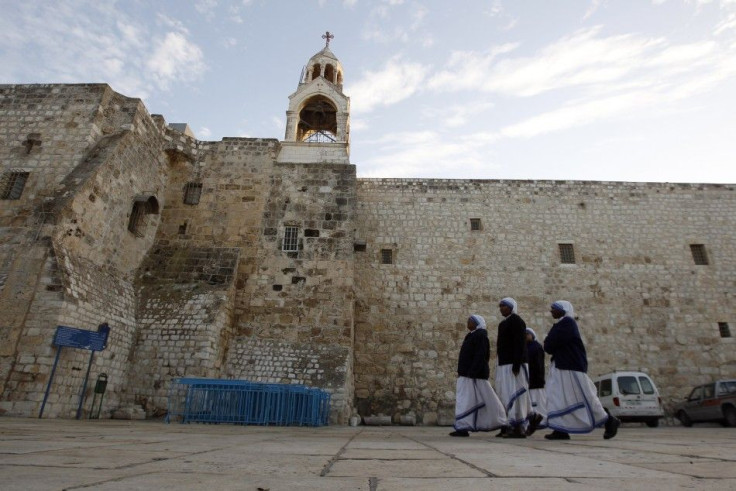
<point>630,396</point>
<point>715,401</point>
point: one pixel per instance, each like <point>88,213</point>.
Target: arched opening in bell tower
<point>316,71</point>
<point>317,121</point>
<point>330,73</point>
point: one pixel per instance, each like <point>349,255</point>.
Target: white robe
<point>514,393</point>
<point>477,407</point>
<point>572,403</point>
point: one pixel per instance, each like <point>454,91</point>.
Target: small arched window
<point>316,71</point>
<point>142,207</point>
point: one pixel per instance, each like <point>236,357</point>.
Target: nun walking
<point>537,392</point>
<point>477,407</point>
<point>572,403</point>
<point>512,373</point>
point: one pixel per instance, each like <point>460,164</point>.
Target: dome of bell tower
<point>324,64</point>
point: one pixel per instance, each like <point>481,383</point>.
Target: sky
<point>619,90</point>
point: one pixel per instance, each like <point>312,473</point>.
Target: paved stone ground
<point>124,455</point>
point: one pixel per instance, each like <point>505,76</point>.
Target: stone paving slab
<point>696,469</point>
<point>122,455</point>
<point>443,468</point>
<point>379,453</point>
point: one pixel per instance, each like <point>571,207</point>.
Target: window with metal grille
<point>699,255</point>
<point>387,256</point>
<point>475,224</point>
<point>567,254</point>
<point>291,239</point>
<point>137,222</point>
<point>724,329</point>
<point>12,184</point>
<point>192,193</point>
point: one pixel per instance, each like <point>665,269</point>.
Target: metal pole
<point>51,378</point>
<point>84,385</point>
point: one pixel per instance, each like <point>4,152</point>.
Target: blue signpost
<point>80,339</point>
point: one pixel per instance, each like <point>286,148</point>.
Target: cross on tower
<point>327,36</point>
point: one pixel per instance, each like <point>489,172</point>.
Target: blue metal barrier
<point>201,400</point>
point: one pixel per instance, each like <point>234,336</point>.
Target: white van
<point>630,396</point>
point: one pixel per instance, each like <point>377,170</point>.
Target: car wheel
<point>729,414</point>
<point>652,423</point>
<point>684,419</point>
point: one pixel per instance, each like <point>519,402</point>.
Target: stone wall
<point>95,151</point>
<point>204,286</point>
<point>642,303</point>
<point>305,297</point>
<point>183,331</point>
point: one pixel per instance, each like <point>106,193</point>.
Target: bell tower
<point>318,118</point>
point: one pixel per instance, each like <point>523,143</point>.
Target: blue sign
<point>82,339</point>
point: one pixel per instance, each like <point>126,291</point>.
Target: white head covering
<point>480,322</point>
<point>566,307</point>
<point>509,302</point>
<point>530,331</point>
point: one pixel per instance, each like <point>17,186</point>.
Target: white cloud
<point>204,133</point>
<point>396,81</point>
<point>592,8</point>
<point>410,154</point>
<point>349,3</point>
<point>89,41</point>
<point>727,24</point>
<point>206,8</point>
<point>613,77</point>
<point>175,58</point>
<point>457,115</point>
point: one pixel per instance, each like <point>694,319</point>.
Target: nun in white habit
<point>572,403</point>
<point>512,372</point>
<point>477,407</point>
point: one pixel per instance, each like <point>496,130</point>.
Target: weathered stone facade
<point>642,303</point>
<point>268,260</point>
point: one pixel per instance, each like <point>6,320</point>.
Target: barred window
<point>12,184</point>
<point>567,254</point>
<point>291,239</point>
<point>387,256</point>
<point>724,329</point>
<point>475,224</point>
<point>192,193</point>
<point>699,255</point>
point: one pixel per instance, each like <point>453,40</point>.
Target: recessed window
<point>192,193</point>
<point>291,239</point>
<point>142,206</point>
<point>567,254</point>
<point>12,184</point>
<point>475,224</point>
<point>699,255</point>
<point>724,329</point>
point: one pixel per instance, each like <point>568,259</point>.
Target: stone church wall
<point>294,318</point>
<point>93,152</point>
<point>202,256</point>
<point>642,303</point>
<point>205,288</point>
